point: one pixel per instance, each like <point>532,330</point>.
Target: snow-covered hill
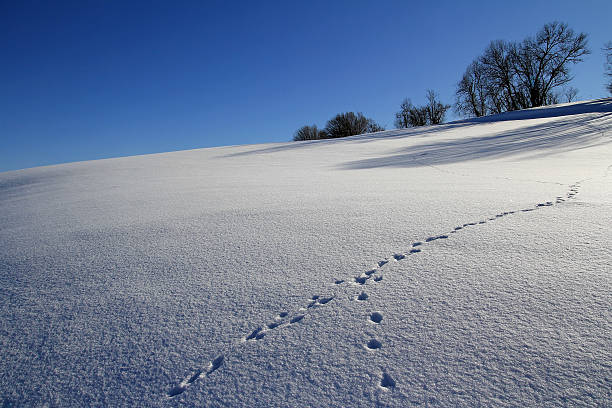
<point>464,264</point>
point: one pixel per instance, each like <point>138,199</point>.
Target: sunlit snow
<point>466,264</point>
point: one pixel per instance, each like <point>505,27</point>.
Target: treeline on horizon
<point>508,76</point>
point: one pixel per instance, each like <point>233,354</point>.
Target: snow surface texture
<point>466,264</point>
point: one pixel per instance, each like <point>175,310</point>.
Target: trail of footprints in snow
<point>387,381</point>
<point>284,319</point>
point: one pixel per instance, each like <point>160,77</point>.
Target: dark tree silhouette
<point>349,124</point>
<point>435,109</point>
<point>403,117</point>
<point>497,63</point>
<point>542,63</point>
<point>375,127</point>
<point>473,91</point>
<point>430,114</point>
<point>410,115</point>
<point>608,52</point>
<point>309,133</point>
<point>510,76</point>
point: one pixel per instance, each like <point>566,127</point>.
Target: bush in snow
<point>309,133</point>
<point>341,125</point>
<point>349,124</point>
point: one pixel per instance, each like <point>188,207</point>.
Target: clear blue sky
<point>85,80</point>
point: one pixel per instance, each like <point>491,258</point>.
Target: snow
<point>455,265</point>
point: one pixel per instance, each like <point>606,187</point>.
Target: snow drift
<point>455,265</point>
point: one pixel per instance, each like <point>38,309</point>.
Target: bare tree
<point>402,118</point>
<point>309,133</point>
<point>410,115</point>
<point>608,66</point>
<point>570,94</point>
<point>500,72</point>
<point>418,116</point>
<point>542,63</point>
<point>435,109</point>
<point>511,76</point>
<point>375,127</point>
<point>430,114</point>
<point>472,91</point>
<point>349,124</point>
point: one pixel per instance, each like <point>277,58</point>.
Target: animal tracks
<point>282,319</point>
<point>361,280</point>
<point>254,334</point>
<point>199,374</point>
<point>297,319</point>
<point>387,382</point>
<point>374,344</point>
<point>376,317</point>
<point>362,296</point>
<point>285,319</point>
<point>325,300</point>
<point>260,332</point>
<point>274,325</point>
<point>441,236</point>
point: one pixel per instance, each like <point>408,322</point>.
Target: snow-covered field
<point>467,264</point>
